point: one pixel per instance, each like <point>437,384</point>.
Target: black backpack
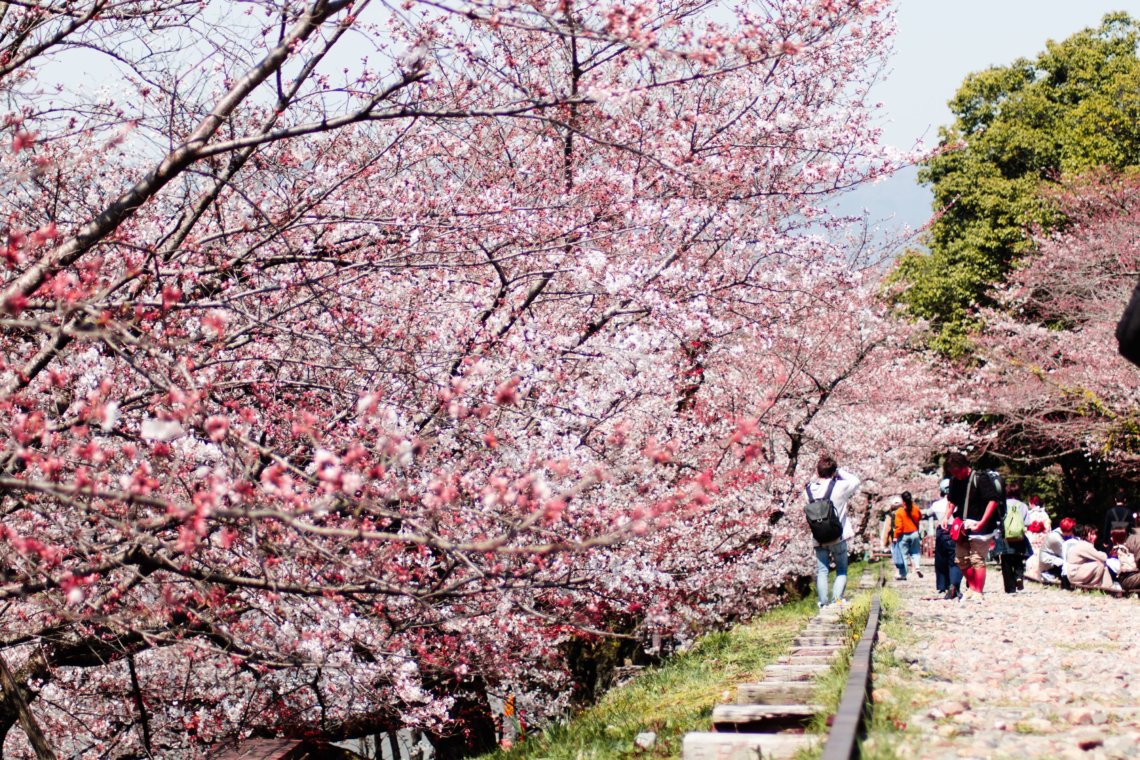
<point>822,517</point>
<point>1002,507</point>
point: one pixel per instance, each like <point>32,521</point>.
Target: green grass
<point>903,690</point>
<point>678,696</point>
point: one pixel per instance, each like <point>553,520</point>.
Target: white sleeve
<point>848,484</point>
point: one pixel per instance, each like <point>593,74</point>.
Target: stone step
<point>807,659</point>
<point>820,641</point>
<point>818,651</point>
<point>775,693</point>
<point>792,672</point>
<point>762,718</point>
<point>699,745</point>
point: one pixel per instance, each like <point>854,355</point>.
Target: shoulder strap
<point>910,516</point>
<point>966,500</point>
<point>827,494</point>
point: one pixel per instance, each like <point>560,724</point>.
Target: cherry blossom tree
<point>1052,387</point>
<point>358,359</point>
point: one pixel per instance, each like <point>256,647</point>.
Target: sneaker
<point>900,577</point>
<point>952,594</point>
<point>841,603</point>
<point>919,573</point>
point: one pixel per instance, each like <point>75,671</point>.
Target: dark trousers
<point>946,572</point>
<point>1012,572</point>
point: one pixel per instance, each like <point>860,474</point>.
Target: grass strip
<point>678,696</point>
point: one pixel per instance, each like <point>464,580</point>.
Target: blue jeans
<point>823,557</point>
<point>947,574</point>
<point>909,545</point>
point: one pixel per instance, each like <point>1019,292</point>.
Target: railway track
<point>767,719</point>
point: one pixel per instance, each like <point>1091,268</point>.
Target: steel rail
<point>848,724</point>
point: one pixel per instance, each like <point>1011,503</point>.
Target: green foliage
<point>1018,129</point>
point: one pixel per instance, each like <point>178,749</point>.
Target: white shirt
<point>1038,514</point>
<point>845,488</point>
<point>937,512</point>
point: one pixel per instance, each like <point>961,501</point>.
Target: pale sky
<point>937,45</point>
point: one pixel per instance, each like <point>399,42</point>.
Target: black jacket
<point>1128,329</point>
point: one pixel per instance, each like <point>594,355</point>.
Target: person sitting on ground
<point>1129,578</point>
<point>1052,555</point>
<point>1085,565</point>
<point>1037,522</point>
<point>906,519</point>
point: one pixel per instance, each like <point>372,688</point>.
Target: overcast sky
<point>938,44</point>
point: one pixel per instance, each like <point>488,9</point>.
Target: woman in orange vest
<point>907,541</point>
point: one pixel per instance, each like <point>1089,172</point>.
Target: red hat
<point>1067,524</point>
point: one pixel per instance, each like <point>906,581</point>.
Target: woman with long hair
<point>907,541</point>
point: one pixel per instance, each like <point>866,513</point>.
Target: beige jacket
<point>1086,566</point>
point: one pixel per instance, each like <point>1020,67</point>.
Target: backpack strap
<point>827,494</point>
<point>966,500</point>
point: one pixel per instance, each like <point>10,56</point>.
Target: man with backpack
<point>1118,523</point>
<point>826,511</point>
<point>1014,544</point>
<point>974,499</point>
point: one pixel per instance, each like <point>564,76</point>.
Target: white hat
<point>896,501</point>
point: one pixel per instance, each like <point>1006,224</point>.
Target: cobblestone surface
<point>1040,673</point>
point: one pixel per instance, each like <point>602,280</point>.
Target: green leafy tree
<point>1017,129</point>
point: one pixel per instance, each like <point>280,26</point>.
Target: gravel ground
<point>1050,673</point>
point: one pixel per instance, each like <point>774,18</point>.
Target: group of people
<point>970,526</point>
<point>1083,556</point>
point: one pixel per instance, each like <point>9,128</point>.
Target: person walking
<point>974,500</point>
<point>947,576</point>
<point>887,532</point>
<point>908,545</point>
<point>839,485</point>
<point>1013,549</point>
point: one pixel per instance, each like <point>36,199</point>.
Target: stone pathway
<point>1047,673</point>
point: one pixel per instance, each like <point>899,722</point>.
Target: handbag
<point>1127,560</point>
<point>957,530</point>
